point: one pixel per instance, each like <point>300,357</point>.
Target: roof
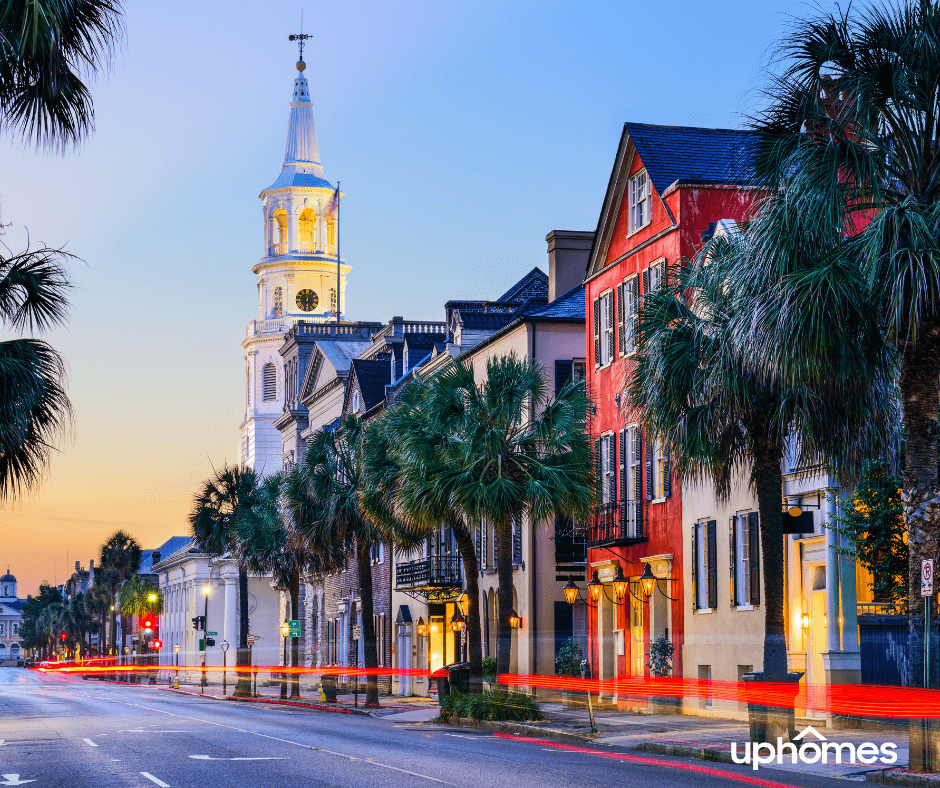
<point>373,377</point>
<point>534,283</point>
<point>7,578</point>
<point>483,320</point>
<point>568,306</point>
<point>290,176</point>
<point>686,153</point>
<point>416,340</point>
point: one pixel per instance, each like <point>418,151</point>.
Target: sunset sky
<point>462,133</point>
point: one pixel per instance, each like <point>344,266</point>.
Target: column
<point>842,661</point>
<point>230,622</point>
<point>832,578</point>
<point>293,235</point>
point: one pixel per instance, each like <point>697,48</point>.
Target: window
<point>356,402</point>
<point>627,314</point>
<point>16,629</point>
<point>745,560</point>
<point>278,301</point>
<point>378,553</point>
<point>639,186</point>
<point>604,329</point>
<point>657,470</point>
<point>379,623</point>
<point>269,382</point>
<point>3,629</point>
<point>568,371</point>
<point>631,479</point>
<point>704,565</point>
<point>653,276</point>
<point>579,371</point>
<point>606,457</point>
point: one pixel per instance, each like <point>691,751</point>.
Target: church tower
<point>297,276</point>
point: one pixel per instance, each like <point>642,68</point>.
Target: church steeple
<point>302,147</point>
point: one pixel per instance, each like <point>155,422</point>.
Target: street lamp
<point>176,649</point>
<point>224,668</point>
<point>285,631</point>
<point>647,581</point>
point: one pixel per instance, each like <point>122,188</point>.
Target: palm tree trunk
<point>464,538</point>
<point>504,573</point>
<point>243,653</point>
<point>768,481</point>
<point>364,568</point>
<point>920,400</point>
<point>295,642</point>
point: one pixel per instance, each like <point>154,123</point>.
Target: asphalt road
<point>56,730</point>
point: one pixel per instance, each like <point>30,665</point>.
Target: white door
<point>404,660</point>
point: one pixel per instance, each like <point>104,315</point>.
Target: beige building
<point>11,619</point>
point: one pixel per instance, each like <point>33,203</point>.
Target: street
<point>57,730</point>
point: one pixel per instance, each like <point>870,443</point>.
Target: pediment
<point>612,206</point>
<point>9,611</point>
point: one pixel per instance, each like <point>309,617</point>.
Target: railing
<point>425,328</point>
<point>438,570</point>
<point>617,521</point>
<point>882,608</point>
<point>331,329</point>
<point>277,249</point>
<point>308,247</point>
<point>277,325</point>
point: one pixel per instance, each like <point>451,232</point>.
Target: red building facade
<point>668,188</point>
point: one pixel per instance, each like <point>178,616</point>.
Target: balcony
<point>614,523</point>
<point>278,325</point>
<point>437,572</point>
<point>308,247</point>
<point>278,249</point>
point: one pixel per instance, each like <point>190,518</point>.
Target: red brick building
<point>668,188</point>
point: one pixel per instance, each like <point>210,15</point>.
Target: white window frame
<point>701,569</point>
<point>3,628</point>
<point>634,459</point>
<point>659,487</point>
<point>606,328</point>
<point>639,201</point>
<point>656,273</point>
<point>742,568</point>
<point>608,470</point>
<point>578,370</point>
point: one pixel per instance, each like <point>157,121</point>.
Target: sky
<point>462,133</point>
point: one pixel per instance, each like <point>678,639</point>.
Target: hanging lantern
<point>422,627</point>
<point>571,591</point>
<point>647,581</point>
<point>620,584</point>
<point>595,587</point>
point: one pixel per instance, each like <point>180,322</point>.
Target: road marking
<point>208,758</point>
<point>157,780</point>
<point>89,742</point>
<point>297,744</point>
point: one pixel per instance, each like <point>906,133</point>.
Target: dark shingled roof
<point>684,153</point>
<point>373,377</point>
<point>568,306</point>
<point>533,285</point>
<point>484,320</point>
<point>416,340</point>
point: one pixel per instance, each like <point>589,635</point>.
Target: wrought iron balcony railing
<point>438,570</point>
<point>616,522</point>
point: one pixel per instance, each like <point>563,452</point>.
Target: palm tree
<point>97,602</point>
<point>119,557</point>
<point>48,50</point>
<point>137,597</point>
<point>401,457</point>
<point>511,449</point>
<point>266,545</point>
<point>852,129</point>
<point>697,389</point>
<point>326,509</point>
<point>225,497</point>
<point>34,408</point>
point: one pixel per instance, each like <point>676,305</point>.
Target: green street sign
<point>293,628</point>
<point>202,644</point>
<point>211,634</point>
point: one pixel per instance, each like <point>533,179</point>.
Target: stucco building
<point>11,619</point>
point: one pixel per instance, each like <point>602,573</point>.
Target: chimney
<point>78,566</point>
<point>568,252</point>
<point>156,558</point>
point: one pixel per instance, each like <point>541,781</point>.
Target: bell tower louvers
<point>297,276</point>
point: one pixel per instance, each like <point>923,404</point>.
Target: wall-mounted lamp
<point>463,602</point>
<point>515,621</point>
<point>595,587</point>
<point>620,584</point>
<point>647,581</point>
<point>804,621</point>
<point>571,591</point>
<point>458,622</point>
<point>422,627</point>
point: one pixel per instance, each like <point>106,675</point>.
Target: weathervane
<point>300,38</point>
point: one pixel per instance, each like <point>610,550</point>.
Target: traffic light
<point>63,636</point>
<point>199,623</point>
<point>148,623</point>
<point>157,644</point>
<point>210,641</point>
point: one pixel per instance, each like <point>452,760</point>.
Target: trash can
<point>459,675</point>
<point>757,713</point>
<point>328,688</point>
<point>442,677</point>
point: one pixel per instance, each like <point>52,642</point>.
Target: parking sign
<point>926,578</point>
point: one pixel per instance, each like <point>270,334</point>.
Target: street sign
<point>926,578</point>
<point>293,628</point>
<point>211,634</point>
<point>251,640</point>
<point>357,631</point>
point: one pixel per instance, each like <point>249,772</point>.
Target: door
<point>637,644</point>
<point>817,645</point>
<point>404,660</point>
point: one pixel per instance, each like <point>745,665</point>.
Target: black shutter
<point>695,567</point>
<point>649,469</point>
<point>597,332</point>
<point>484,545</point>
<point>599,468</point>
<point>621,329</point>
<point>733,542</point>
<point>754,555</point>
<point>634,287</point>
<point>646,281</point>
<point>479,547</point>
<point>564,370</point>
<point>667,482</point>
<point>517,540</point>
<point>623,466</point>
<point>638,479</point>
<point>611,466</point>
<point>611,349</point>
<point>712,565</point>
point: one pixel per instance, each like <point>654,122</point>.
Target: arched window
<point>307,232</point>
<point>278,301</point>
<point>279,232</point>
<point>269,382</point>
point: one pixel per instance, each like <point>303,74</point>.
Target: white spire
<point>302,165</point>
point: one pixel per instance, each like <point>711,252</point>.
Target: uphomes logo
<point>809,752</point>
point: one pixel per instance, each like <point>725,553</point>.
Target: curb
<point>277,701</point>
<point>518,729</point>
<point>903,778</point>
<point>684,751</point>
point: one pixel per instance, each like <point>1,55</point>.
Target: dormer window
<point>639,201</point>
<point>269,382</point>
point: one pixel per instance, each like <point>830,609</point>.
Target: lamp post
<point>285,631</point>
<point>205,624</point>
<point>176,679</point>
<point>457,623</point>
<point>224,668</point>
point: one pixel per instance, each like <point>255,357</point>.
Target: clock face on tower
<point>307,300</point>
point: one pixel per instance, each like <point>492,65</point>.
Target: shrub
<point>568,659</point>
<point>489,668</point>
<point>661,651</point>
<point>495,706</point>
